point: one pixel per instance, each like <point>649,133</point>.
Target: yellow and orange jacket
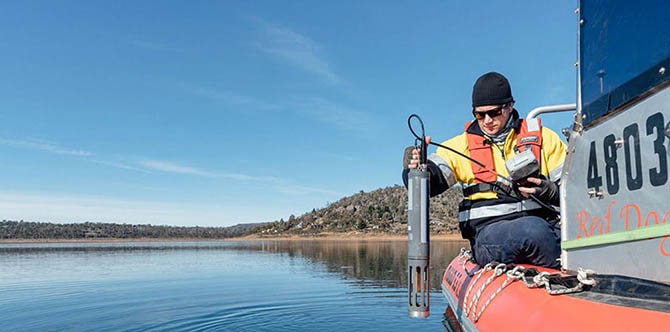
<point>484,204</point>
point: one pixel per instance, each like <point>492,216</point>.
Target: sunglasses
<point>492,113</point>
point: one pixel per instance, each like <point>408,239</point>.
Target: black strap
<point>479,187</point>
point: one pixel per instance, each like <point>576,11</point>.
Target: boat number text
<point>608,150</point>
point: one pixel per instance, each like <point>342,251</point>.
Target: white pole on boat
<point>550,109</point>
<point>418,242</point>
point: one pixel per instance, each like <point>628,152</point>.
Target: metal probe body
<point>418,243</point>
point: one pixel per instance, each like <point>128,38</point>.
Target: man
<point>505,222</point>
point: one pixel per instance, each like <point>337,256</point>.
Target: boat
<point>615,216</point>
<point>510,297</point>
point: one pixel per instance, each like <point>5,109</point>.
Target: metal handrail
<point>550,109</point>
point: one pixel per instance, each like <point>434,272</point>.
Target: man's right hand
<point>412,155</point>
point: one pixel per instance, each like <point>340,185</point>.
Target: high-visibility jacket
<point>499,202</point>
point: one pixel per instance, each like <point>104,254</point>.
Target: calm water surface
<point>214,286</point>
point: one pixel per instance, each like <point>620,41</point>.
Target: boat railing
<point>550,109</point>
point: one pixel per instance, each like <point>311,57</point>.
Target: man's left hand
<point>543,189</point>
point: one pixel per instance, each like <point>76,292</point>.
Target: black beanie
<point>491,89</point>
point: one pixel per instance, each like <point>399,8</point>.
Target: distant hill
<point>24,230</point>
<point>381,211</point>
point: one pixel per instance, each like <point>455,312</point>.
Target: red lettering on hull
<point>603,226</point>
<point>630,216</point>
<point>665,251</point>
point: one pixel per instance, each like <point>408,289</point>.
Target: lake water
<point>214,286</point>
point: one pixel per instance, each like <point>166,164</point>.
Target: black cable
<point>424,146</point>
<point>544,205</point>
<point>424,154</point>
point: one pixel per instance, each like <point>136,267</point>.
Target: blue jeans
<point>529,240</point>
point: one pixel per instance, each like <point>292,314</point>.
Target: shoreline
<point>345,237</point>
<point>319,237</point>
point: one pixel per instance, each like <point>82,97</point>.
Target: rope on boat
<point>584,276</point>
<point>554,284</point>
<point>478,275</point>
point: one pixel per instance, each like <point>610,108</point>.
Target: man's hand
<point>544,189</point>
<point>412,155</point>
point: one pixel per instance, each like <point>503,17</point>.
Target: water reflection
<point>226,285</point>
<point>378,263</point>
<point>372,262</point>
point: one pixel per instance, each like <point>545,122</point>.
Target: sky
<point>215,113</point>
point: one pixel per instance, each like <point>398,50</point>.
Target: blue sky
<point>215,113</point>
